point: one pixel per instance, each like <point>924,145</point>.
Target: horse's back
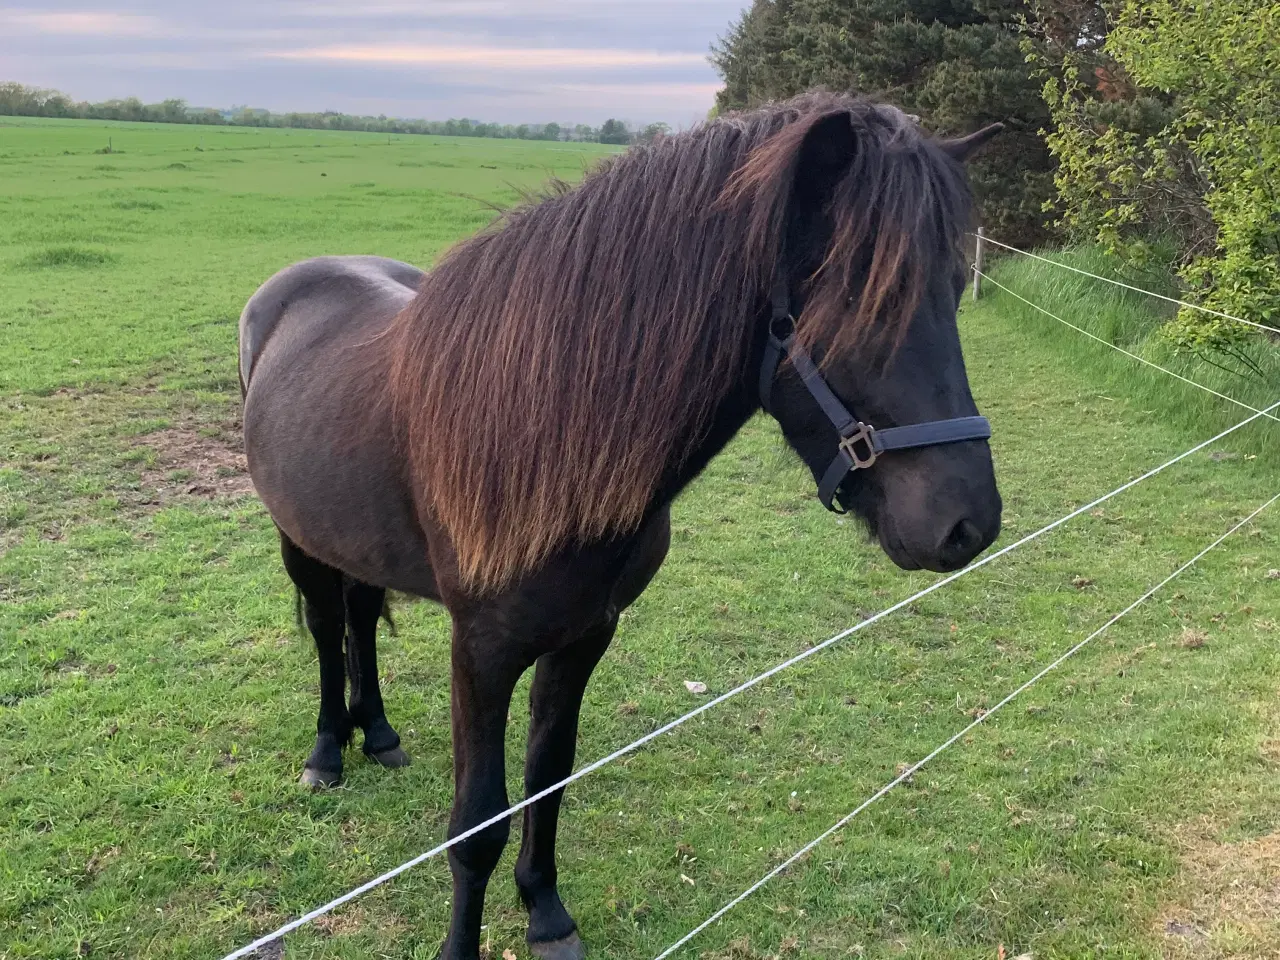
<point>340,286</point>
<point>317,425</point>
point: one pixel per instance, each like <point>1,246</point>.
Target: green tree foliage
<point>1167,133</point>
<point>957,64</point>
<point>652,132</point>
<point>614,131</point>
<point>17,100</point>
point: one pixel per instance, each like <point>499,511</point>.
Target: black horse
<point>505,434</point>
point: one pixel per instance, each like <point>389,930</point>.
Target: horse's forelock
<point>899,205</point>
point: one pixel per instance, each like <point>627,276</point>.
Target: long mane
<point>553,368</point>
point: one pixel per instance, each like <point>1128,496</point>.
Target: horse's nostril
<point>964,540</point>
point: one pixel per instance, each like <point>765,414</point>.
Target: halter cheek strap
<point>860,444</point>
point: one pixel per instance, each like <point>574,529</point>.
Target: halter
<point>860,443</point>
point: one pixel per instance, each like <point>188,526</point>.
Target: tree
<point>22,101</point>
<point>652,132</point>
<point>957,64</point>
<point>173,111</point>
<point>614,131</point>
<point>752,57</point>
<point>131,108</point>
<point>249,117</point>
<point>1168,146</point>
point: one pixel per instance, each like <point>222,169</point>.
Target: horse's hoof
<point>566,948</point>
<point>314,779</point>
<point>395,757</point>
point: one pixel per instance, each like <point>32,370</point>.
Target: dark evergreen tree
<point>956,64</point>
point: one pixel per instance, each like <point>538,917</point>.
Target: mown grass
<point>156,701</point>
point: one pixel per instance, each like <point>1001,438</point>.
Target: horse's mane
<point>554,368</point>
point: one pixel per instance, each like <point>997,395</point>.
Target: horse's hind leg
<point>323,608</point>
<point>364,606</point>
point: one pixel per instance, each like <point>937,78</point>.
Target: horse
<point>506,433</point>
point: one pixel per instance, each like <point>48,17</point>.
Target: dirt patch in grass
<point>342,923</point>
<point>350,921</point>
<point>1229,907</point>
<point>742,949</point>
<point>273,950</point>
<point>196,463</point>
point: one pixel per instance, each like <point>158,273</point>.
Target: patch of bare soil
<point>349,921</point>
<point>1229,907</point>
<point>193,462</point>
<point>272,950</point>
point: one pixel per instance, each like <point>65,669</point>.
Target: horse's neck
<point>738,405</point>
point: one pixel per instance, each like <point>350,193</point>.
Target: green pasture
<point>157,701</point>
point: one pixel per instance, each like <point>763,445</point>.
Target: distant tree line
<point>17,100</point>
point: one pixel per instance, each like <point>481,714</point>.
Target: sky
<point>506,61</point>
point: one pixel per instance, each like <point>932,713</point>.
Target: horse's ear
<point>963,148</point>
<point>828,149</point>
<point>804,160</point>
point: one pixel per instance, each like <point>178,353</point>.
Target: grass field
<point>156,701</point>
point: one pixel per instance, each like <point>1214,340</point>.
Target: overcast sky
<point>511,61</point>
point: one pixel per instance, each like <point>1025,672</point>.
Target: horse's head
<point>871,270</point>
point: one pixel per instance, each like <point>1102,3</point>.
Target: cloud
<point>659,88</point>
<point>575,60</point>
<point>77,23</point>
<point>546,10</point>
<point>503,58</point>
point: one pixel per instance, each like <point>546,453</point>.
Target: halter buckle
<point>863,435</point>
<point>782,326</point>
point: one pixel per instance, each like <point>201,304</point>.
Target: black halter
<point>860,443</point>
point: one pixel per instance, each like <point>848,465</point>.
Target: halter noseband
<point>860,443</point>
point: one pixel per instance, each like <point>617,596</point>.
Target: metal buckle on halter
<point>782,327</point>
<point>863,434</point>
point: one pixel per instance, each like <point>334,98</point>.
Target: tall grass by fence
<point>1133,321</point>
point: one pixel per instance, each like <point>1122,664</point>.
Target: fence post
<point>977,265</point>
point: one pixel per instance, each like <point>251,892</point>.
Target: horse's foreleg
<point>485,671</point>
<point>555,701</point>
<point>364,607</point>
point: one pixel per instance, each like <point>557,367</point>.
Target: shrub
<point>1168,142</point>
